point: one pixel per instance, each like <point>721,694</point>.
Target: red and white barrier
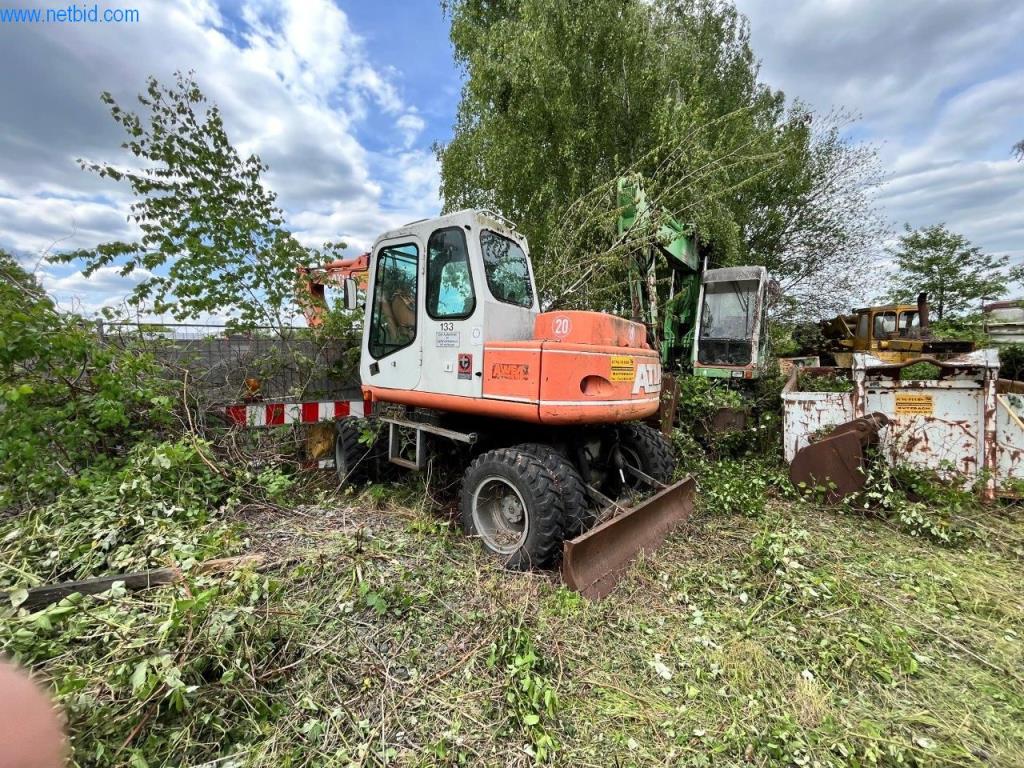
<point>256,415</point>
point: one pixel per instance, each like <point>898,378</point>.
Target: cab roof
<point>469,218</point>
<point>888,308</point>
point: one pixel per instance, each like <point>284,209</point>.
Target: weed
<point>824,382</point>
<point>529,694</point>
<point>163,505</point>
<point>919,501</point>
<point>920,372</point>
<point>740,486</point>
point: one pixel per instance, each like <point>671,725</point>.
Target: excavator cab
<point>731,331</point>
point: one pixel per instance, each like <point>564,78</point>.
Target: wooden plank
<point>39,597</point>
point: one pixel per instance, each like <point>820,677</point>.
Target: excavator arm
<point>313,281</point>
<point>676,243</point>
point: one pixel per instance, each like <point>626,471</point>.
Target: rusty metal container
<point>964,424</point>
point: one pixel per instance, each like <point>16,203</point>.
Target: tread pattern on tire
<point>545,506</point>
<point>359,459</point>
<point>579,513</point>
<point>653,449</point>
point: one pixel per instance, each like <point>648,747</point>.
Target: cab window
<point>508,274</point>
<point>885,323</point>
<point>393,321</point>
<point>908,321</point>
<point>449,282</point>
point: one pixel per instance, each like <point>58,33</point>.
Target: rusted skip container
<point>965,423</point>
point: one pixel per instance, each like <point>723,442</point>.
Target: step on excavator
<point>544,410</point>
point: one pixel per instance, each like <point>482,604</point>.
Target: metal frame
<point>421,429</point>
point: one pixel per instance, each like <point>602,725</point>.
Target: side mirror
<point>350,291</point>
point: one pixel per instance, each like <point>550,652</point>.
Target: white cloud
<point>75,292</point>
<point>293,81</point>
<point>938,84</point>
<point>411,125</point>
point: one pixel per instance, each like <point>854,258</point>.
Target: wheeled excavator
<point>544,411</point>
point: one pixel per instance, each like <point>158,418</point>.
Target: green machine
<point>713,321</point>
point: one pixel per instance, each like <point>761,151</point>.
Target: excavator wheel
<point>511,502</point>
<point>648,450</point>
<point>355,462</point>
<point>579,513</point>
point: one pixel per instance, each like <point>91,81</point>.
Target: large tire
<point>512,503</point>
<point>650,449</point>
<point>579,514</point>
<point>355,462</point>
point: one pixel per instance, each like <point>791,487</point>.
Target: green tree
<point>558,103</point>
<point>213,238</point>
<point>953,272</point>
<point>67,400</point>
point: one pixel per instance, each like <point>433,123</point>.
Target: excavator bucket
<point>593,562</point>
<point>836,464</point>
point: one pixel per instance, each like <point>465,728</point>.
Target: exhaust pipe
<point>922,315</point>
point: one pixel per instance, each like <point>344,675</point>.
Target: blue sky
<point>344,100</point>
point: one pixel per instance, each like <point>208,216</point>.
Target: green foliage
<point>969,327</point>
<point>741,486</point>
<point>700,399</point>
<point>920,502</point>
<point>781,555</point>
<point>824,382</point>
<point>920,372</point>
<point>161,681</point>
<point>954,273</point>
<point>808,338</point>
<point>529,694</point>
<point>159,507</point>
<point>67,398</point>
<point>1011,362</point>
<point>557,104</point>
<point>213,239</point>
<point>344,327</point>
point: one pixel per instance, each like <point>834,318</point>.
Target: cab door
<point>392,339</point>
<point>452,327</point>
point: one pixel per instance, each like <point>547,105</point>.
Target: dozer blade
<point>593,562</point>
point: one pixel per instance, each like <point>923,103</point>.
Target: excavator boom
<point>313,282</point>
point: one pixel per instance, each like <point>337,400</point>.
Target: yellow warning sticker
<point>622,368</point>
<point>914,403</point>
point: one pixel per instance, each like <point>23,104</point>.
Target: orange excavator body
<point>579,368</point>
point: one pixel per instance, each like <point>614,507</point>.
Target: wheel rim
<point>632,457</point>
<point>499,515</point>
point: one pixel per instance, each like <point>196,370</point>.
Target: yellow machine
<point>894,333</point>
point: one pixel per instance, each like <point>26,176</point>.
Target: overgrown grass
<point>768,632</point>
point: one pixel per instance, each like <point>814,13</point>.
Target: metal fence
<point>227,366</point>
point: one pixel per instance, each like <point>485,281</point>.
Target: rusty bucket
<point>593,562</point>
<point>836,464</point>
